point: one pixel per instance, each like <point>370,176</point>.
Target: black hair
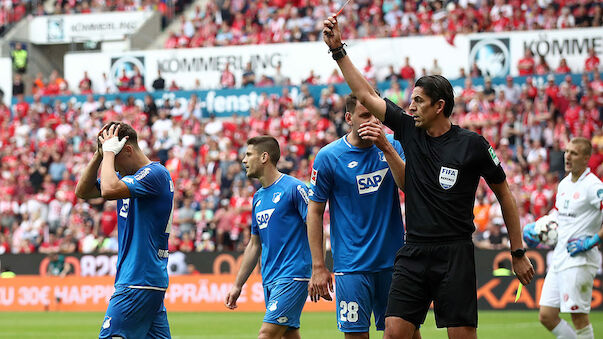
<point>437,87</point>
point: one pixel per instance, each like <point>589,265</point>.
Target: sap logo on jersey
<point>263,217</point>
<point>368,183</point>
<point>448,177</point>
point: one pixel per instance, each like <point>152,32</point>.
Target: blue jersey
<point>144,222</point>
<point>366,221</point>
<point>279,218</point>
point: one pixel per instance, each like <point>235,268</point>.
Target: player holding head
<point>569,282</point>
<point>278,234</point>
<point>357,175</point>
<point>145,195</point>
<point>444,164</point>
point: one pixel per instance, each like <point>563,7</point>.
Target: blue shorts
<point>357,295</point>
<point>136,313</point>
<point>285,300</point>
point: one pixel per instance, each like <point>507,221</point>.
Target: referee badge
<point>448,177</point>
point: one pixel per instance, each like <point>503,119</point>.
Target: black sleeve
<point>488,162</point>
<point>398,121</point>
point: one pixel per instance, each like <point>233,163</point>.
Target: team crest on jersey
<point>263,217</point>
<point>123,212</point>
<point>448,177</point>
<point>368,183</point>
<point>276,197</point>
<point>382,156</point>
<point>313,177</point>
<point>353,164</point>
<point>600,194</point>
<point>272,306</point>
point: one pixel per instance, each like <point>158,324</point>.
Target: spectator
<point>248,78</point>
<point>407,71</point>
<point>159,82</point>
<point>57,266</point>
<point>563,68</point>
<point>18,85</point>
<point>591,64</point>
<point>227,79</point>
<point>526,65</point>
<point>542,67</point>
<point>435,68</point>
<point>85,85</point>
<point>19,56</point>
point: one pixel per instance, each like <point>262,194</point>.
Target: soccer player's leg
<point>160,328</point>
<point>284,303</point>
<point>354,300</point>
<point>409,295</point>
<point>131,313</point>
<point>550,301</point>
<point>454,283</point>
<point>577,284</point>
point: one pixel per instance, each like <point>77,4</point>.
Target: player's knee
<point>266,333</point>
<point>548,319</point>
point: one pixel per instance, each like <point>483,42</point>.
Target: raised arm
<point>321,281</point>
<point>250,260</point>
<point>360,87</point>
<point>521,266</point>
<point>374,131</point>
<point>86,186</point>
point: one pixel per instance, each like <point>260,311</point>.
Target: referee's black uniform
<point>437,263</point>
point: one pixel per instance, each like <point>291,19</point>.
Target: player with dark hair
<point>358,175</point>
<point>145,194</point>
<point>279,235</point>
<point>444,164</point>
<point>568,284</point>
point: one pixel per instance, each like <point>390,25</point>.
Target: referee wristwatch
<point>518,253</point>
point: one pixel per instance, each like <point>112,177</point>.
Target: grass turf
<point>492,324</point>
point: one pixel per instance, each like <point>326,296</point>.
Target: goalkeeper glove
<point>575,246</point>
<point>530,236</point>
<point>114,144</point>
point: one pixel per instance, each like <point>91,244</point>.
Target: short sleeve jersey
<point>365,218</point>
<point>143,225</point>
<point>442,175</point>
<point>279,218</point>
<point>579,208</point>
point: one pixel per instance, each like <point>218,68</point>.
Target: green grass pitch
<point>233,325</point>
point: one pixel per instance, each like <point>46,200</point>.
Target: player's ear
<point>348,118</point>
<point>440,105</point>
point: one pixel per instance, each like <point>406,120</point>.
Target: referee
<point>443,169</point>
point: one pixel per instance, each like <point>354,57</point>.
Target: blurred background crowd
<point>44,147</point>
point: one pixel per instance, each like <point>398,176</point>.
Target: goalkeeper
<point>569,282</point>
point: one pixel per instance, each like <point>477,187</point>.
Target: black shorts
<point>443,273</point>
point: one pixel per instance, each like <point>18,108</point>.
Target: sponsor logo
<point>448,177</point>
<point>276,197</point>
<point>282,319</point>
<point>302,192</point>
<point>314,177</point>
<point>368,183</point>
<point>576,196</point>
<point>128,180</point>
<point>353,164</point>
<point>272,306</point>
<point>493,156</point>
<point>491,55</point>
<point>127,63</point>
<point>142,174</point>
<point>123,212</point>
<point>56,31</point>
<point>382,156</point>
<point>107,322</point>
<point>263,217</point>
<point>163,253</point>
<point>311,192</point>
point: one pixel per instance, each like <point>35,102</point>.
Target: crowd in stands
<point>240,22</point>
<point>44,148</point>
<point>11,11</point>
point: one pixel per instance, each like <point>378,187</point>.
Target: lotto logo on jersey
<point>263,217</point>
<point>368,183</point>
